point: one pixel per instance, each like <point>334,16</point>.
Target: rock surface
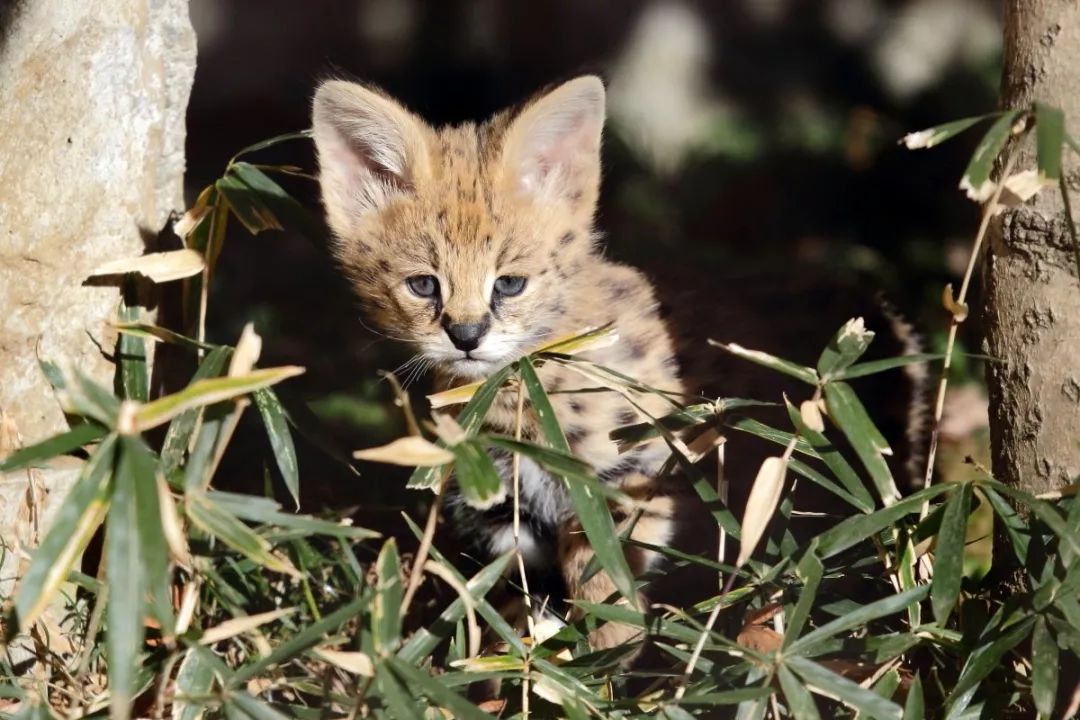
<point>92,105</point>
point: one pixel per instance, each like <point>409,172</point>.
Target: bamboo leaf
<point>207,392</point>
<point>479,481</point>
<point>938,134</point>
<point>949,554</point>
<point>195,678</point>
<point>1044,668</point>
<point>178,436</point>
<point>976,181</point>
<point>760,506</point>
<point>271,141</point>
<point>127,583</point>
<point>840,688</point>
<point>799,700</point>
<point>242,624</point>
<point>987,656</point>
<point>810,570</point>
<point>275,420</point>
<point>435,690</point>
<point>846,346</point>
<point>591,507</point>
<point>274,198</point>
<point>131,356</point>
<point>77,519</point>
<point>884,607</point>
<point>247,205</point>
<point>1049,137</point>
<point>835,461</point>
<point>386,612</point>
<point>137,461</point>
<point>215,520</point>
<point>470,418</point>
<point>848,413</point>
<point>874,367</point>
<point>914,706</point>
<point>62,444</point>
<point>856,529</point>
<point>800,372</point>
<point>157,267</point>
<point>160,334</point>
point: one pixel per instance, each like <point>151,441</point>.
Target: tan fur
<point>513,196</point>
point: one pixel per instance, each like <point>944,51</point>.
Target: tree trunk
<point>93,98</point>
<point>1032,312</point>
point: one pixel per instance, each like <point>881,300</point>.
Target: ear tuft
<point>552,147</point>
<point>370,148</point>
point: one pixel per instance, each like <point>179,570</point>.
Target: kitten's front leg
<point>652,515</point>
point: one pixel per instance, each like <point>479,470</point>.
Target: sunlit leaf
<point>848,413</point>
<point>409,451</point>
<point>1049,134</point>
<point>62,444</point>
<point>158,267</point>
<point>949,554</point>
<point>275,420</point>
<point>940,133</point>
<point>760,506</point>
<point>976,181</point>
<point>800,372</point>
<point>386,613</point>
<point>77,519</point>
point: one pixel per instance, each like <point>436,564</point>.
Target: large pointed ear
<point>370,148</point>
<point>552,148</point>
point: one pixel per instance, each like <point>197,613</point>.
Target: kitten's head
<point>468,241</point>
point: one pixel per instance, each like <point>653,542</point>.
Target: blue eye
<point>424,286</point>
<point>509,285</point>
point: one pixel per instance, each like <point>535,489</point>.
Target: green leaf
<point>846,346</point>
<point>127,585</point>
<point>195,678</point>
<point>403,706</point>
<point>1049,134</point>
<point>914,706</point>
<point>269,142</point>
<point>178,436</point>
<point>1017,530</point>
<point>422,642</point>
<point>848,413</point>
<point>138,462</point>
<point>76,521</point>
<point>209,391</point>
<point>131,356</point>
<point>987,656</point>
<point>155,332</point>
<point>834,460</point>
<point>273,197</point>
<point>211,518</point>
<point>57,445</point>
<point>435,690</point>
<point>310,636</point>
<point>809,571</point>
<point>854,530</point>
<point>247,205</point>
<point>1041,509</point>
<point>873,367</point>
<point>884,607</point>
<point>253,708</point>
<point>267,511</point>
<point>590,506</point>
<point>386,613</point>
<point>800,372</point>
<point>476,475</point>
<point>940,133</point>
<point>949,554</point>
<point>799,700</point>
<point>976,180</point>
<point>727,697</point>
<point>780,437</point>
<point>1044,668</point>
<point>275,420</point>
<point>82,396</point>
<point>470,418</point>
<point>553,461</point>
<point>850,693</point>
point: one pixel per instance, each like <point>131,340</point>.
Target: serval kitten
<point>476,244</point>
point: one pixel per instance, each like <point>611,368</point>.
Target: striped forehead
<point>462,192</point>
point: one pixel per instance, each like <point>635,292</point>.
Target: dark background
<point>749,141</point>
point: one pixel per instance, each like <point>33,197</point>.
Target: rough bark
<point>1032,312</point>
<point>92,110</point>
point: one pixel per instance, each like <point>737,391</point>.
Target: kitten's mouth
<point>472,368</point>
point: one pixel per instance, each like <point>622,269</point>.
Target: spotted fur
<point>514,196</point>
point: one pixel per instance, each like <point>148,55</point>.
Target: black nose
<point>466,336</point>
